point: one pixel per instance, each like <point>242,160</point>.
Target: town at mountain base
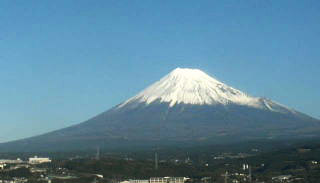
<point>185,106</point>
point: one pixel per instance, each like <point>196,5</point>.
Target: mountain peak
<point>195,87</point>
<point>190,86</point>
<point>191,74</point>
<point>186,71</point>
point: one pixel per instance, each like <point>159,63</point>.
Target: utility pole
<point>250,175</point>
<point>156,161</point>
<point>226,177</point>
<point>98,153</point>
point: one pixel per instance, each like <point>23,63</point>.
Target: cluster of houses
<point>15,180</point>
<point>18,162</point>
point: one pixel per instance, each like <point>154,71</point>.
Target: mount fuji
<point>187,105</point>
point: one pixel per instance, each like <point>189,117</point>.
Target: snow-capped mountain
<point>193,86</point>
<point>187,105</point>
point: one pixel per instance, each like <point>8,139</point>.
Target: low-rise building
<point>168,179</point>
<point>38,170</point>
<point>10,161</point>
<point>37,160</point>
<point>138,181</point>
<point>281,178</point>
<point>159,180</point>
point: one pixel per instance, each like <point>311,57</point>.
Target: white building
<point>168,179</point>
<point>37,160</point>
<point>282,178</point>
<point>10,161</point>
<point>138,181</point>
<point>159,180</point>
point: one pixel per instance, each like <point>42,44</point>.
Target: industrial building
<point>37,160</point>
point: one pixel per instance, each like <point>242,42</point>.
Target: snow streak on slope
<point>192,86</point>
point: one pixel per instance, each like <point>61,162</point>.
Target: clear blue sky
<point>62,62</point>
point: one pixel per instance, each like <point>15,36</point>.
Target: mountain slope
<point>186,105</point>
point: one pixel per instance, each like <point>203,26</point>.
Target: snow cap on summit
<point>193,74</point>
<point>191,86</point>
<point>195,87</point>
